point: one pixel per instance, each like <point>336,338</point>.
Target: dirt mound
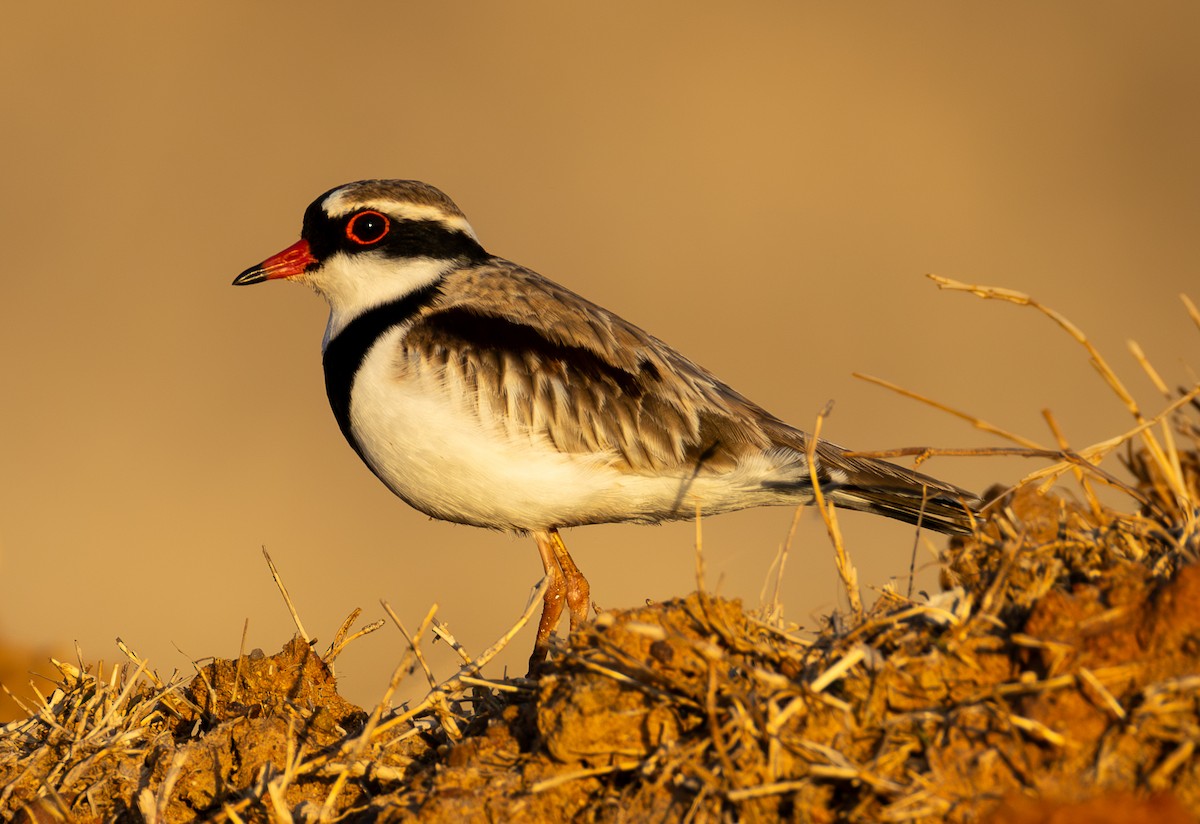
<point>1063,663</point>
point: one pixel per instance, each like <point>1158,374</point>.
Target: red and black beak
<point>294,260</point>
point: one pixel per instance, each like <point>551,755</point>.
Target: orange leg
<point>578,591</point>
<point>567,584</point>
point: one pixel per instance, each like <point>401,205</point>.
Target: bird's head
<point>368,242</point>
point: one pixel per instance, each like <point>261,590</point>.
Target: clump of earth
<point>1056,678</point>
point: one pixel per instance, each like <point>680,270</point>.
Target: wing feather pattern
<point>588,381</point>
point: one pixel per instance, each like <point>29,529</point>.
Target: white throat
<point>352,284</point>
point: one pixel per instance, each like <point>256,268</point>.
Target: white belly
<point>431,447</point>
<point>433,450</point>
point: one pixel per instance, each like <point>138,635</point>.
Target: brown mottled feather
<point>587,380</point>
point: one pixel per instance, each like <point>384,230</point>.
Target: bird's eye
<point>369,227</point>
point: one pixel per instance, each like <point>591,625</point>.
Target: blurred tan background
<point>763,186</point>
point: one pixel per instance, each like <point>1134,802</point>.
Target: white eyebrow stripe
<point>337,204</point>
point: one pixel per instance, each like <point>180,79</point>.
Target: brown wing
<point>590,382</point>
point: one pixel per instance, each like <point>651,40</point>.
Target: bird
<point>482,393</point>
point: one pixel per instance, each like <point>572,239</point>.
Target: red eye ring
<point>368,227</point>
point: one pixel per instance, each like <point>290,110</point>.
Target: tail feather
<point>871,485</point>
<point>938,512</point>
